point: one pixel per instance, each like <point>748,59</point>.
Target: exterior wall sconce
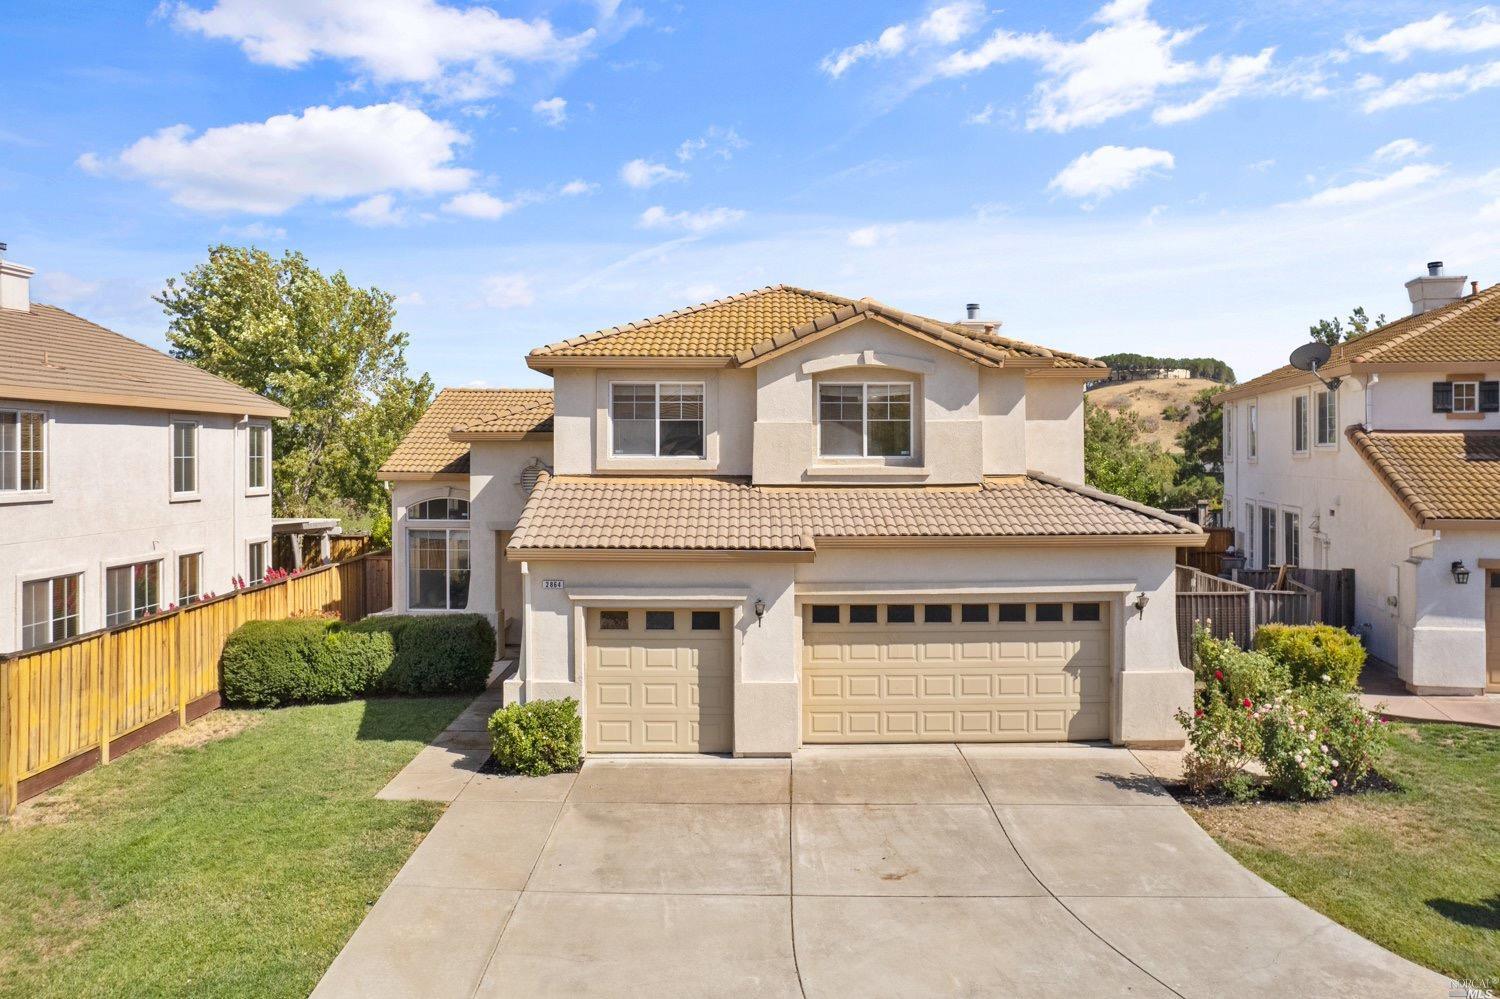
<point>1460,572</point>
<point>1141,600</point>
<point>760,608</point>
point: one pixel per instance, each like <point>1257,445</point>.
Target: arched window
<point>439,509</point>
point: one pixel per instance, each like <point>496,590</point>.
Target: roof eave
<point>472,436</point>
<point>257,406</point>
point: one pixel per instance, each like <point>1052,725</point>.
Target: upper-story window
<point>1325,417</point>
<point>23,451</point>
<point>439,509</point>
<point>1229,430</point>
<point>865,419</point>
<point>258,450</point>
<point>1252,431</point>
<point>656,419</point>
<point>184,457</point>
<point>1299,423</point>
<point>1465,395</point>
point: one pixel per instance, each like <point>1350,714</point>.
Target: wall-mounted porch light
<point>760,608</point>
<point>1141,600</point>
<point>1460,572</point>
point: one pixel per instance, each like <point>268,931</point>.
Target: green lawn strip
<point>236,868</point>
<point>1417,870</point>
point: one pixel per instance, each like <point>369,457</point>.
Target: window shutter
<point>1442,397</point>
<point>1489,397</point>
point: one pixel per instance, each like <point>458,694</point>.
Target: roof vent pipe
<point>972,309</point>
<point>1434,268</point>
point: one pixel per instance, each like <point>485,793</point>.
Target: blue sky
<point>1171,178</point>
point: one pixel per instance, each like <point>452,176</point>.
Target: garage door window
<point>976,614</point>
<point>825,614</point>
<point>1085,612</point>
<point>708,620</point>
<point>1049,612</point>
<point>1011,613</point>
<point>614,620</point>
<point>862,613</point>
<point>937,614</point>
<point>900,613</point>
<point>660,620</point>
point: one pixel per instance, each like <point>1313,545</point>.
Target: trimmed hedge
<point>538,738</point>
<point>270,663</point>
<point>1314,653</point>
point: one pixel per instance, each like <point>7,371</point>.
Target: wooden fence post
<point>106,708</point>
<point>9,765</point>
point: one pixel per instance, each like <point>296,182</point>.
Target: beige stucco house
<point>789,517</point>
<point>129,481</point>
<point>1394,473</point>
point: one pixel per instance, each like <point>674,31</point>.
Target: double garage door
<point>946,672</point>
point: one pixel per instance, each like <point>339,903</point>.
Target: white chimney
<point>15,284</point>
<point>1434,289</point>
<point>973,321</point>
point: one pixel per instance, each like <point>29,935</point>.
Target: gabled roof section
<point>1438,477</point>
<point>51,355</point>
<point>746,328</point>
<point>428,450</point>
<point>530,414</point>
<point>1467,331</point>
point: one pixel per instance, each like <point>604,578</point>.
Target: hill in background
<point>1165,405</point>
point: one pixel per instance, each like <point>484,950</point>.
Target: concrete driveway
<point>889,871</point>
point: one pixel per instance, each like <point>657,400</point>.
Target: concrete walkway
<point>870,871</point>
<point>1381,689</point>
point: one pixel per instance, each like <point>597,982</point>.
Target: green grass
<point>1417,871</point>
<point>238,867</point>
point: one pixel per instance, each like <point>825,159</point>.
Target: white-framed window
<point>1325,418</point>
<point>131,592</point>
<point>1291,529</point>
<point>437,562</point>
<point>49,610</point>
<point>442,508</point>
<point>1267,536</point>
<point>184,457</point>
<point>1247,536</point>
<point>23,451</point>
<point>1252,431</point>
<point>1299,423</point>
<point>1465,397</point>
<point>260,558</point>
<point>656,420</point>
<point>189,578</point>
<point>1228,430</point>
<point>865,419</point>
<point>258,457</point>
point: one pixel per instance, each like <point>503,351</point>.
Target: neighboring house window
<point>189,578</point>
<point>1326,414</point>
<point>131,592</point>
<point>865,420</point>
<point>1292,526</point>
<point>1299,424</point>
<point>438,556</point>
<point>1267,536</point>
<point>259,556</point>
<point>1465,397</point>
<point>184,457</point>
<point>1252,432</point>
<point>258,474</point>
<point>49,610</point>
<point>1247,535</point>
<point>23,435</point>
<point>1229,430</point>
<point>657,419</point>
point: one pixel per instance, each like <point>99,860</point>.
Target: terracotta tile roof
<point>1436,475</point>
<point>530,413</point>
<point>50,355</point>
<point>594,512</point>
<point>744,327</point>
<point>427,449</point>
<point>1468,330</point>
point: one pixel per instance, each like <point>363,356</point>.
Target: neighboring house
<point>788,517</point>
<point>1395,475</point>
<point>129,481</point>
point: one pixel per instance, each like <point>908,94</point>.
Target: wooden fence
<point>1335,586</point>
<point>69,706</point>
<point>1233,610</point>
<point>1209,558</point>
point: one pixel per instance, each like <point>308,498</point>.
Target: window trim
<point>42,493</point>
<point>1228,431</point>
<point>1333,419</point>
<point>250,544</point>
<point>120,563</point>
<point>195,493</point>
<point>177,557</point>
<point>446,528</point>
<point>1300,422</point>
<point>251,489</point>
<point>1252,430</point>
<point>73,572</point>
<point>1473,383</point>
<point>656,455</point>
<point>864,384</point>
<point>1290,540</point>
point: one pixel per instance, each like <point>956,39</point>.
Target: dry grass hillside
<point>1150,399</point>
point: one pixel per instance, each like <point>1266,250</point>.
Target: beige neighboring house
<point>788,517</point>
<point>1395,474</point>
<point>129,481</point>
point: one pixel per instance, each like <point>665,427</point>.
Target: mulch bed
<point>1373,783</point>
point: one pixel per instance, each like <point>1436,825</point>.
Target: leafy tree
<point>1117,461</point>
<point>319,346</point>
<point>1333,331</point>
<point>1199,367</point>
<point>1202,441</point>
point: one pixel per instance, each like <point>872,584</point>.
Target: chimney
<point>972,309</point>
<point>1434,289</point>
<point>15,284</point>
<point>972,321</point>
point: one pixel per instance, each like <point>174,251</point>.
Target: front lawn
<point>232,858</point>
<point>1417,871</point>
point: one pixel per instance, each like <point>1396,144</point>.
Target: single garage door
<point>946,672</point>
<point>658,681</point>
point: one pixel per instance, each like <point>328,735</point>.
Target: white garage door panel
<point>943,682</point>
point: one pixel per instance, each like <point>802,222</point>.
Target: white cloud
<point>641,174</point>
<point>508,291</point>
<point>1439,33</point>
<point>1127,64</point>
<point>60,286</point>
<point>460,53</point>
<point>1400,149</point>
<point>1260,166</point>
<point>574,188</point>
<point>1363,191</point>
<point>891,41</point>
<point>707,220</point>
<point>479,205</point>
<point>1109,170</point>
<point>256,230</point>
<point>1423,87</point>
<point>553,111</point>
<point>715,141</point>
<point>981,117</point>
<point>91,163</point>
<point>412,299</point>
<point>870,235</point>
<point>377,211</point>
<point>321,154</point>
<point>950,22</point>
<point>941,26</point>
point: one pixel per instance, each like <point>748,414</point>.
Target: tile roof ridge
<point>498,413</point>
<point>1445,313</point>
<point>1090,492</point>
<point>688,310</point>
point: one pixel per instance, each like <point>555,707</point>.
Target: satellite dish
<point>1311,356</point>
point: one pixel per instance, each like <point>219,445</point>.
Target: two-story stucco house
<point>1394,473</point>
<point>129,481</point>
<point>789,517</point>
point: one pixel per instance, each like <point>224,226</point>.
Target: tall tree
<point>1202,440</point>
<point>1333,331</point>
<point>319,346</point>
<point>1117,461</point>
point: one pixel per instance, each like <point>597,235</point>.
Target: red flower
<point>1198,713</point>
<point>1218,674</point>
<point>1247,702</point>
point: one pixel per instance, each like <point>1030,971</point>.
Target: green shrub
<point>1223,737</point>
<point>435,653</point>
<point>269,663</point>
<point>538,737</point>
<point>1299,763</point>
<point>1314,653</point>
<point>1356,738</point>
<point>1239,674</point>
